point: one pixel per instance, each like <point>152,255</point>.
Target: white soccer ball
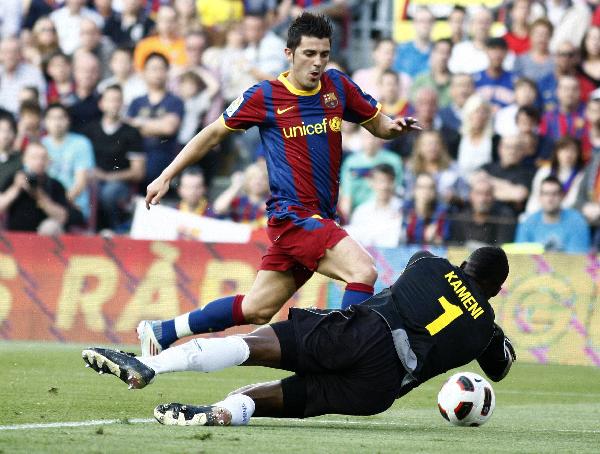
<point>466,399</point>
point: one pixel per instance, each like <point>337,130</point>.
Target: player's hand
<point>405,124</point>
<point>156,191</point>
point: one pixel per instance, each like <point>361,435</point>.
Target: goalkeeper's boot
<point>147,336</point>
<point>122,365</point>
<point>175,414</point>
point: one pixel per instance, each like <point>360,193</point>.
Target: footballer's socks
<point>356,293</point>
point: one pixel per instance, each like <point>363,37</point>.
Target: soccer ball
<point>466,399</point>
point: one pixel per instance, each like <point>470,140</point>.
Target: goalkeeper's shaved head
<point>489,267</point>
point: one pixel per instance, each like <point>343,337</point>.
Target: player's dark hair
<point>308,24</point>
<point>10,119</point>
<point>553,180</point>
<point>488,266</point>
<point>158,55</point>
<point>386,169</point>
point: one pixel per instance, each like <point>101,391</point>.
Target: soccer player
<point>435,317</point>
<point>299,116</point>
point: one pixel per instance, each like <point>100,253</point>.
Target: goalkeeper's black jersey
<point>438,317</point>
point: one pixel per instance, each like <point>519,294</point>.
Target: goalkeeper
<point>434,318</point>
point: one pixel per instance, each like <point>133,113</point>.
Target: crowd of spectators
<point>98,96</point>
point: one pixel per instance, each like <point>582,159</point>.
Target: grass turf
<point>538,409</point>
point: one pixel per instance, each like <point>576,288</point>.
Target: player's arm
<point>195,149</point>
<point>387,128</point>
<point>498,356</point>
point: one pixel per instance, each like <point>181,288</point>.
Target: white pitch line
<point>98,422</point>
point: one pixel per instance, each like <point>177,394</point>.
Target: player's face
<point>308,61</point>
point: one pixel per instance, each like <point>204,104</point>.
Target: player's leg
<point>271,289</point>
<point>351,263</point>
<point>259,348</point>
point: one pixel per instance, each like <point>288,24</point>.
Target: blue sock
<point>215,316</point>
<point>356,293</point>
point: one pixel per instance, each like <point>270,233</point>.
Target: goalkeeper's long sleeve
<point>498,356</point>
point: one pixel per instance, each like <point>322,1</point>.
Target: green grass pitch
<point>538,409</point>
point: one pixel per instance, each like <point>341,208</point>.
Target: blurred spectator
<point>567,166</point>
<point>264,52</point>
<point>29,126</point>
<point>591,139</point>
<point>217,13</point>
<point>120,161</point>
<point>105,9</point>
<point>456,22</point>
<point>525,94</point>
<point>167,42</point>
<point>378,221</point>
<point>33,10</point>
<point>10,19</point>
<point>192,193</point>
<point>538,62</point>
<point>86,73</point>
<point>91,39</point>
<point>558,229</point>
<point>567,118</point>
<point>121,66</point>
<point>517,35</point>
<point>477,142</point>
<point>510,178</point>
<point>356,168</point>
<point>28,94</point>
<point>469,56</point>
<point>157,116</point>
<point>197,91</point>
<point>482,220</point>
<point>392,103</point>
<point>424,216</point>
<point>195,45</point>
<point>494,83</point>
<point>246,197</point>
<point>130,26</point>
<point>370,78</point>
<point>570,19</point>
<point>413,56</point>
<point>430,156</point>
<point>71,157</point>
<point>588,198</point>
<point>590,56</point>
<point>187,16</point>
<point>15,75</point>
<point>461,88</point>
<point>10,158</point>
<point>32,200</point>
<point>229,63</point>
<point>438,76</point>
<point>566,63</point>
<point>67,21</point>
<point>43,43</point>
<point>61,87</point>
<point>537,148</point>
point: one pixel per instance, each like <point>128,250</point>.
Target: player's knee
<point>259,316</point>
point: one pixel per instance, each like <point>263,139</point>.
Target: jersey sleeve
<point>245,111</point>
<point>498,356</point>
<point>360,107</point>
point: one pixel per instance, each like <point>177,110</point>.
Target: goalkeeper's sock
<point>240,406</point>
<point>200,355</point>
<point>215,316</point>
<point>356,293</point>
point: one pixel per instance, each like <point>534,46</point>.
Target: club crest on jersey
<point>330,100</point>
<point>234,106</point>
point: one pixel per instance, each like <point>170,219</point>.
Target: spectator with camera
<point>32,200</point>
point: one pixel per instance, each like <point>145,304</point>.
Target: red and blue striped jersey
<point>301,135</point>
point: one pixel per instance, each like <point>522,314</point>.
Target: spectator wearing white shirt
<point>15,75</point>
<point>10,19</point>
<point>264,52</point>
<point>378,221</point>
<point>67,21</point>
